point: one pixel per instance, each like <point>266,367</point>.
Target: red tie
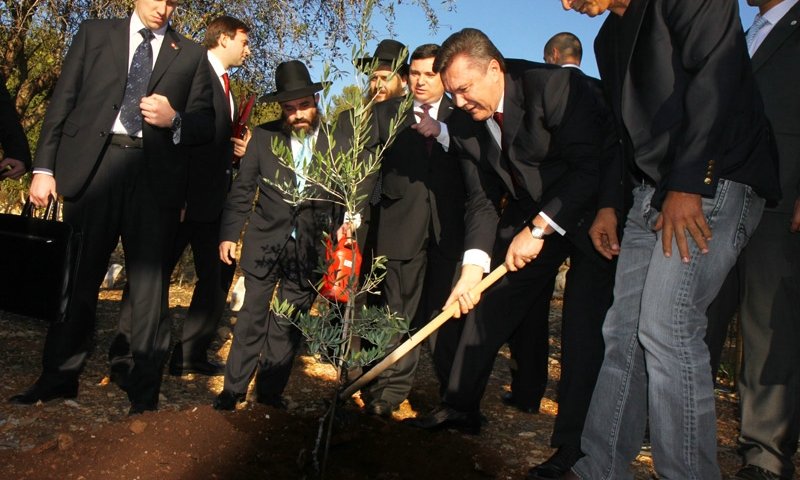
<point>498,117</point>
<point>429,140</point>
<point>227,81</point>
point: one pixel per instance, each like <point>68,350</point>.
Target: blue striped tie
<point>138,77</point>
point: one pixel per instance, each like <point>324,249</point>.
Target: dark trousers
<point>767,279</point>
<point>417,289</point>
<point>502,309</point>
<point>210,292</point>
<point>208,299</point>
<point>118,203</point>
<point>587,297</point>
<point>530,352</point>
<point>262,341</point>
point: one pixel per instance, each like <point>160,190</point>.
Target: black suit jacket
<point>210,164</point>
<point>12,137</point>
<point>553,137</point>
<point>686,102</point>
<point>418,190</point>
<point>776,65</point>
<point>274,217</point>
<point>86,102</point>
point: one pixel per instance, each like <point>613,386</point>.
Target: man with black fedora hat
<point>387,70</point>
<point>282,244</point>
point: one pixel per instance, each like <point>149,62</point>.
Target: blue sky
<point>519,28</point>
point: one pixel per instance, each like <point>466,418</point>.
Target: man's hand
<point>681,213</point>
<point>523,250</point>
<point>43,186</point>
<point>795,226</point>
<point>12,168</point>
<point>240,144</point>
<point>603,233</point>
<point>427,125</point>
<point>471,275</point>
<point>227,252</point>
<point>157,111</point>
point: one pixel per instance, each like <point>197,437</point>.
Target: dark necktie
<point>498,117</point>
<point>429,141</point>
<point>138,77</point>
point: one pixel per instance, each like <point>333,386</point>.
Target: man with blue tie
<point>132,92</point>
<point>764,284</point>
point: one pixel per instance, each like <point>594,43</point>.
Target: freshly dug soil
<point>92,437</point>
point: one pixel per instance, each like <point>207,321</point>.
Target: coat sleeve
<point>239,203</point>
<point>197,121</point>
<point>712,52</point>
<point>63,100</point>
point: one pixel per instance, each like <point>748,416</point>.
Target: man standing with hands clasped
<point>130,94</point>
<point>697,147</point>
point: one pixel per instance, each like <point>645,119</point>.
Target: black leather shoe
<point>277,402</point>
<point>380,408</point>
<point>446,417</point>
<point>752,472</point>
<point>509,400</point>
<point>208,368</point>
<point>140,408</point>
<point>40,392</point>
<point>227,400</point>
<point>557,465</point>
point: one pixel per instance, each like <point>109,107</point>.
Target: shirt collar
<point>216,64</point>
<point>137,24</point>
<point>777,12</point>
<point>434,105</point>
<point>500,105</point>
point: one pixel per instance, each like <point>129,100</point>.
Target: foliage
<point>36,35</point>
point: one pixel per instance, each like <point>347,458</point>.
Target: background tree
<point>35,35</point>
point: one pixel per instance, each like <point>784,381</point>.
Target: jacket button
<point>115,107</point>
<point>102,133</point>
<point>707,181</point>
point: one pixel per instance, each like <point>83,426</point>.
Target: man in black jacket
<point>530,160</point>
<point>112,143</point>
<point>282,245</point>
<point>421,227</point>
<point>697,146</point>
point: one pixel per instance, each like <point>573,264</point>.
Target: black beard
<point>290,129</point>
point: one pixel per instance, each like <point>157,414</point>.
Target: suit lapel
<point>120,43</point>
<point>779,34</point>
<point>629,49</point>
<point>170,48</point>
<point>445,109</point>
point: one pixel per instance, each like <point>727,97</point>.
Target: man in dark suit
<point>209,181</point>
<point>530,159</point>
<point>697,147</point>
<point>131,93</point>
<point>421,228</point>
<point>764,284</point>
<point>16,152</point>
<point>587,296</point>
<point>282,245</point>
<point>210,170</point>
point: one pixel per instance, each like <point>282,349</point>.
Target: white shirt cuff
<point>444,136</point>
<point>553,224</point>
<point>43,170</point>
<point>477,257</point>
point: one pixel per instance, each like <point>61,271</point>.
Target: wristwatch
<point>537,232</point>
<point>176,122</point>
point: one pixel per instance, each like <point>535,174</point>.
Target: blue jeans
<point>656,362</point>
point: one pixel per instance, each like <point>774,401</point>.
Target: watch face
<point>537,232</point>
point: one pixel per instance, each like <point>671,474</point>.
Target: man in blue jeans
<point>698,152</point>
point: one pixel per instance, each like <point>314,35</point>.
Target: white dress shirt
<point>134,39</point>
<point>219,71</point>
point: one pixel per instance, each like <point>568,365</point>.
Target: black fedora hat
<point>387,51</point>
<point>293,81</point>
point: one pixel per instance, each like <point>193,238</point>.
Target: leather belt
<point>126,141</point>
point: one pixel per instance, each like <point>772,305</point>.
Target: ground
<point>92,437</point>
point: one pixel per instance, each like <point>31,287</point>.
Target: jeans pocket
<point>735,208</point>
